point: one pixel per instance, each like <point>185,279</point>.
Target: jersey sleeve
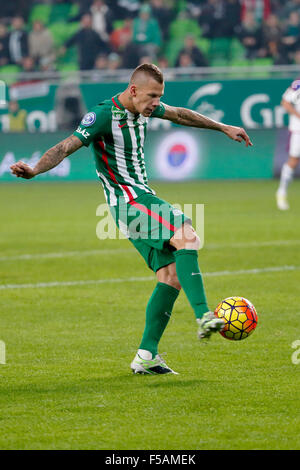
<point>93,125</point>
<point>292,93</point>
<point>159,111</point>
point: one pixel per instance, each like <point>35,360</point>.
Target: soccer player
<point>291,103</point>
<point>116,128</point>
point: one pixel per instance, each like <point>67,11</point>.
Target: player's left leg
<point>158,313</point>
<point>287,172</point>
<point>187,244</point>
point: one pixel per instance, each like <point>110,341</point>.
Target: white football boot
<point>282,202</point>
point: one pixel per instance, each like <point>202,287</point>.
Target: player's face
<point>146,97</point>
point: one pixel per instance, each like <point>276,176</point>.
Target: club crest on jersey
<point>88,119</point>
<point>118,113</point>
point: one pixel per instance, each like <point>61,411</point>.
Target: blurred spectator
<point>8,9</point>
<point>101,19</point>
<point>193,51</point>
<point>289,6</point>
<point>131,56</point>
<point>261,9</point>
<point>291,34</point>
<point>41,45</point>
<point>213,20</point>
<point>128,8</point>
<point>145,59</point>
<point>271,35</point>
<point>4,51</point>
<point>16,117</point>
<point>114,61</point>
<point>122,36</point>
<point>163,14</point>
<point>88,42</point>
<point>146,32</point>
<point>185,60</point>
<point>194,8</point>
<point>296,58</point>
<point>277,53</point>
<point>233,17</point>
<point>250,35</point>
<point>164,65</point>
<point>17,41</point>
<point>28,64</point>
<point>69,104</point>
<point>83,9</point>
<point>101,62</point>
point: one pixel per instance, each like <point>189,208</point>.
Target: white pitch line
<point>112,251</point>
<point>239,272</point>
<point>65,254</point>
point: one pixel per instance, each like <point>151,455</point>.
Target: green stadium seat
<point>240,63</point>
<point>9,73</point>
<point>237,50</point>
<point>68,67</point>
<point>62,31</point>
<point>180,28</point>
<point>263,61</point>
<point>117,24</point>
<point>59,12</point>
<point>219,48</point>
<point>74,10</point>
<point>218,62</point>
<point>40,12</point>
<point>204,45</point>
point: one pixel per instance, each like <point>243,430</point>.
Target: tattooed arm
<point>187,117</point>
<point>49,160</point>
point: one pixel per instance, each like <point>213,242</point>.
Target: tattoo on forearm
<point>56,154</point>
<point>187,117</point>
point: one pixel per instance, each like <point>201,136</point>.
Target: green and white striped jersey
<point>117,138</point>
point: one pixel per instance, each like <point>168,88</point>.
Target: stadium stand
<point>234,33</point>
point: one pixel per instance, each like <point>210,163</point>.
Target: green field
<point>67,383</point>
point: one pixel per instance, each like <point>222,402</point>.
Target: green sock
<point>190,278</point>
<point>158,314</point>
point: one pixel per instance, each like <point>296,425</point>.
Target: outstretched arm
<point>187,117</point>
<point>49,160</point>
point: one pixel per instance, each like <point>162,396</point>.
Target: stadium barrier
<point>177,154</point>
<point>172,153</point>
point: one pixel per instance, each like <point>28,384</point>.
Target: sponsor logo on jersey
<point>118,113</point>
<point>88,119</point>
<point>83,132</point>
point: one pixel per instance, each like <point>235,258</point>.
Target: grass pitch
<point>67,384</point>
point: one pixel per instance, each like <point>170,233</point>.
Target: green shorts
<point>149,223</point>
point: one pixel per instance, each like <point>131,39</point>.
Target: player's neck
<point>125,100</point>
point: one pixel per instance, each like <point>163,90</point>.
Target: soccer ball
<point>240,317</point>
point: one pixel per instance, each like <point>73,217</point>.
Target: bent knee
<point>172,280</point>
<point>186,238</point>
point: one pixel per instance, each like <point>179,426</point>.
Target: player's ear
<point>132,90</point>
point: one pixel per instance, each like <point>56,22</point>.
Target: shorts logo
<point>88,119</point>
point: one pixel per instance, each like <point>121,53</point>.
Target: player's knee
<point>172,280</point>
<point>186,239</point>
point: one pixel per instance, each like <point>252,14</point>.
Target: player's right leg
<point>187,244</point>
<point>287,172</point>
